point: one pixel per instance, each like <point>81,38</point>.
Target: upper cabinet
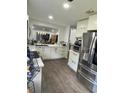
<point>81,27</point>
<point>92,22</point>
<point>86,24</point>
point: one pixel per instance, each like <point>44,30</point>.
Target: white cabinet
<point>81,27</point>
<point>38,78</point>
<point>86,24</point>
<point>47,52</point>
<point>37,82</point>
<point>63,51</point>
<point>41,50</point>
<point>92,22</point>
<point>54,54</point>
<point>51,52</point>
<point>73,60</point>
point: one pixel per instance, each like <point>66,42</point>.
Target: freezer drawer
<point>89,73</point>
<point>91,66</point>
<point>87,82</point>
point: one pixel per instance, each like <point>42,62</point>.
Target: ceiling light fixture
<point>50,17</point>
<point>66,5</point>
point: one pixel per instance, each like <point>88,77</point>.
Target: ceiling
<point>40,9</point>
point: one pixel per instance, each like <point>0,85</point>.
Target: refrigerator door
<point>92,50</point>
<point>87,67</point>
<point>87,44</point>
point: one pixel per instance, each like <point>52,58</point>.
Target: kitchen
<point>62,36</point>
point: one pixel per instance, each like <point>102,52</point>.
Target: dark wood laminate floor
<point>59,78</point>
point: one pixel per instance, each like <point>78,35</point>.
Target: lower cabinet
<point>38,78</point>
<point>63,51</point>
<point>47,52</point>
<point>73,60</point>
<point>37,82</point>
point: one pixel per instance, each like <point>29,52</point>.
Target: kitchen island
<point>49,51</point>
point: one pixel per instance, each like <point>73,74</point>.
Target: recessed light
<point>66,5</point>
<point>50,17</point>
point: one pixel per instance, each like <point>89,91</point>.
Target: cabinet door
<point>81,27</point>
<point>42,51</point>
<point>37,82</point>
<point>56,53</point>
<point>53,53</point>
<point>62,52</point>
<point>92,23</point>
<point>47,53</point>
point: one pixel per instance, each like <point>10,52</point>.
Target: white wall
<point>62,34</point>
<point>66,37</point>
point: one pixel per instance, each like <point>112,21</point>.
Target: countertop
<point>49,45</point>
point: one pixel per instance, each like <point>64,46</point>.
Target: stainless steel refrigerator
<point>87,66</point>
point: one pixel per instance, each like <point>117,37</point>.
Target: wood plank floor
<point>59,78</point>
